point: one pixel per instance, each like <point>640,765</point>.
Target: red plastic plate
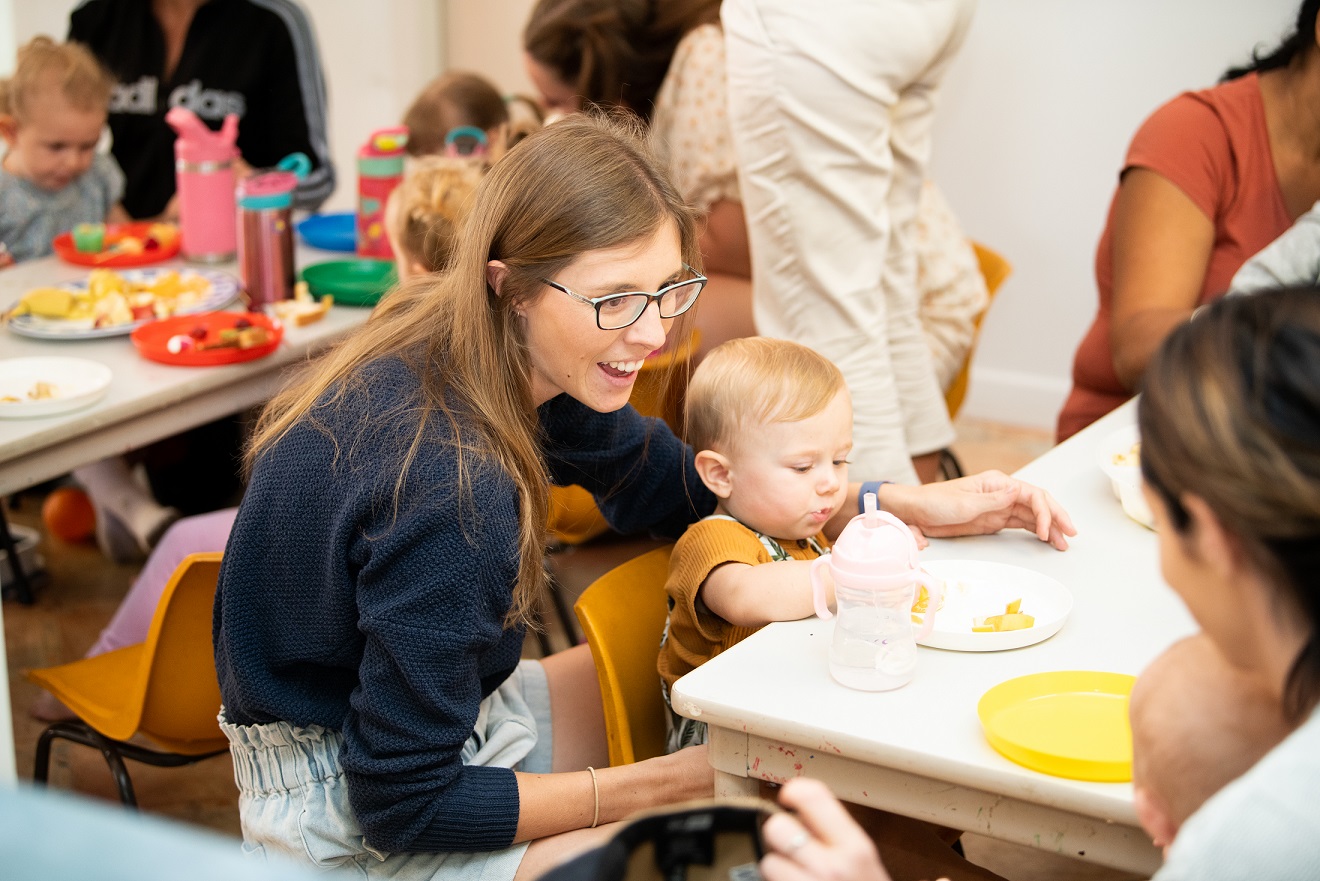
<point>152,339</point>
<point>63,245</point>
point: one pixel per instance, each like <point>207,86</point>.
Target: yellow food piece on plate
<point>48,302</point>
<point>1002,623</point>
<point>1014,607</point>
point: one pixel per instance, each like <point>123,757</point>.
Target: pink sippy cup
<point>204,165</point>
<point>875,572</point>
<point>380,169</point>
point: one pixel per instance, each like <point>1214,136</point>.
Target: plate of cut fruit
<point>209,339</point>
<point>990,607</point>
<point>110,303</point>
<point>117,245</point>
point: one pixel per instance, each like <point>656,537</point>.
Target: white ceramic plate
<point>224,288</point>
<point>1124,476</point>
<point>77,383</point>
<point>976,589</point>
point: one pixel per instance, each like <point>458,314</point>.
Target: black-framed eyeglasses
<point>617,311</point>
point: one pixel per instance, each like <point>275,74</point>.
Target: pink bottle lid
<point>874,544</point>
<point>197,143</point>
<point>273,189</point>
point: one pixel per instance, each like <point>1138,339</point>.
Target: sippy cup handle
<point>935,592</point>
<point>818,587</point>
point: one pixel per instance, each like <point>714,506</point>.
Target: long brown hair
<point>614,53</point>
<point>1230,412</point>
<point>583,184</point>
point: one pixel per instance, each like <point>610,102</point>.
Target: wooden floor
<point>84,588</point>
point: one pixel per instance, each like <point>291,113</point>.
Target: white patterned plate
<point>224,288</point>
<point>74,382</point>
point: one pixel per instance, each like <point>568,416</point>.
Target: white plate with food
<point>45,386</point>
<point>990,607</point>
<point>113,302</point>
<point>1120,460</point>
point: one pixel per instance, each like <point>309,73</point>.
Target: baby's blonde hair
<point>755,380</point>
<point>427,209</point>
<point>71,67</point>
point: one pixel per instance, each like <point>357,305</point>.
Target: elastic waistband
<point>278,757</point>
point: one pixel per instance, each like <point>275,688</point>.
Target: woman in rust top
<point>1210,178</point>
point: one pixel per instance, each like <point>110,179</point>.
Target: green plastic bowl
<point>351,282</point>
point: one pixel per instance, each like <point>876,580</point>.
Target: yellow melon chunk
<point>1014,607</point>
<point>49,302</point>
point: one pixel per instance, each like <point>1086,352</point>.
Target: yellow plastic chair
<point>994,269</point>
<point>623,615</point>
<point>163,690</point>
<point>574,517</point>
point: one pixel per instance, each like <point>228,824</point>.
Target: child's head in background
<point>1197,724</point>
<point>52,111</point>
<point>456,106</point>
<point>424,211</point>
<point>771,422</point>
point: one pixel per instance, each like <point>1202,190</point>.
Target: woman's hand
<point>819,841</point>
<point>979,505</point>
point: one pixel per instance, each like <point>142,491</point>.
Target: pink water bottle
<point>204,166</point>
<point>875,572</point>
<point>380,169</point>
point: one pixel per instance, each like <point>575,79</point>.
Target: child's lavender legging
<point>191,535</point>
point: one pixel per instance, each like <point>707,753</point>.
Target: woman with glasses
<point>388,555</point>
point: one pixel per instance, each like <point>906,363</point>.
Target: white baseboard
<point>1014,397</point>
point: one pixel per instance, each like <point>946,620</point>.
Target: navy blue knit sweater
<point>336,609</point>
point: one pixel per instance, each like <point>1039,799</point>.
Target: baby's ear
<point>8,128</point>
<point>1153,816</point>
<point>714,472</point>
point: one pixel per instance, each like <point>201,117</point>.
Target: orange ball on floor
<point>68,514</point>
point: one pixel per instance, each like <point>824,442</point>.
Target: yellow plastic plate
<point>1069,723</point>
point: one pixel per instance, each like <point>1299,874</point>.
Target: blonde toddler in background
<point>52,114</point>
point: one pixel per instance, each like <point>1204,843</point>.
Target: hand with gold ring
<point>816,839</point>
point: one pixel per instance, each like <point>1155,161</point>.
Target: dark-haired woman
<point>1230,428</point>
<point>1210,178</point>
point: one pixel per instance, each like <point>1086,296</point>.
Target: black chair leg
<point>950,467</point>
<point>81,733</point>
<point>566,615</point>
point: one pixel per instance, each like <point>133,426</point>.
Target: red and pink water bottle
<point>380,169</point>
<point>265,241</point>
<point>204,166</point>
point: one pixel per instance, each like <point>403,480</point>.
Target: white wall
<point>1035,121</point>
<point>376,56</point>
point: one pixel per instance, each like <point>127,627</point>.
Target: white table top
<point>146,401</point>
<point>777,685</point>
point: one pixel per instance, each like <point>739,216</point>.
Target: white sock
<point>113,487</point>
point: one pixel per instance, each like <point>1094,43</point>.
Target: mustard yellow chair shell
<point>623,615</point>
<point>994,269</point>
<point>163,691</point>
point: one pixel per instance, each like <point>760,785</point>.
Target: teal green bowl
<point>351,282</point>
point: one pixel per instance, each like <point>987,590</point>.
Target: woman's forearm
<point>553,803</point>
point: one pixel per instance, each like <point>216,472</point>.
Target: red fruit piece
<point>198,333</point>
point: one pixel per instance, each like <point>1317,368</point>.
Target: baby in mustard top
<point>771,422</point>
